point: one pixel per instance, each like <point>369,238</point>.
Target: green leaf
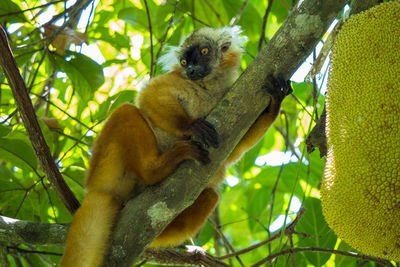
<point>34,260</point>
<point>49,136</point>
<point>279,11</point>
<point>248,159</point>
<point>10,202</point>
<point>251,21</point>
<point>206,234</point>
<point>7,7</point>
<point>122,97</point>
<point>18,152</point>
<point>31,207</point>
<point>75,177</point>
<point>86,75</point>
<point>302,91</point>
<point>301,260</point>
<point>113,102</point>
<point>14,197</point>
<point>7,179</point>
<point>135,17</point>
<point>4,130</point>
<point>2,76</point>
<point>313,224</point>
<point>176,35</point>
<point>232,7</point>
<point>117,40</point>
<point>264,146</point>
<point>257,206</point>
<point>341,260</point>
<point>51,209</point>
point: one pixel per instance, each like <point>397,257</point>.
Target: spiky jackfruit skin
<point>360,191</point>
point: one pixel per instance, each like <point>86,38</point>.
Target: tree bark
<point>146,215</point>
<point>14,231</point>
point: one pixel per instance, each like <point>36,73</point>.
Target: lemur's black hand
<point>206,132</point>
<point>278,87</point>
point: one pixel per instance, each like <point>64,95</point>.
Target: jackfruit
<point>360,191</point>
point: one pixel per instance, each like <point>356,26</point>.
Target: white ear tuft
<point>170,58</point>
<point>237,39</point>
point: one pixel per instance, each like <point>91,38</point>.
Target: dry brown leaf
<point>64,38</point>
<point>51,123</point>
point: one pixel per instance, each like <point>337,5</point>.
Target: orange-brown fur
<point>145,144</point>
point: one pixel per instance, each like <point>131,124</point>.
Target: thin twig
<point>73,12</point>
<point>90,16</point>
<point>30,86</point>
<point>287,231</point>
<point>170,25</point>
<point>190,15</point>
<point>77,142</point>
<point>264,25</point>
<point>64,112</point>
<point>239,13</point>
<point>216,220</point>
<point>290,237</point>
<point>172,257</point>
<point>151,39</point>
<point>227,244</point>
<point>215,12</point>
<point>193,13</point>
<point>273,194</point>
<point>20,250</point>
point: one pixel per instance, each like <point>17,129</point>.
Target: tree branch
<point>172,257</point>
<point>290,46</point>
<point>151,38</point>
<point>14,231</point>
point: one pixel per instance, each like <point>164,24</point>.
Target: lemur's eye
<point>183,62</point>
<point>204,51</point>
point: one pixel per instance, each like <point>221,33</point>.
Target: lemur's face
<point>202,52</point>
<point>197,59</point>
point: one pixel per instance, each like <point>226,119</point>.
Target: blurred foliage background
<point>99,57</point>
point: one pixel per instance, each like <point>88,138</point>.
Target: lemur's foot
<point>278,82</point>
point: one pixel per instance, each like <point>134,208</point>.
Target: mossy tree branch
<point>14,231</point>
<point>32,233</point>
